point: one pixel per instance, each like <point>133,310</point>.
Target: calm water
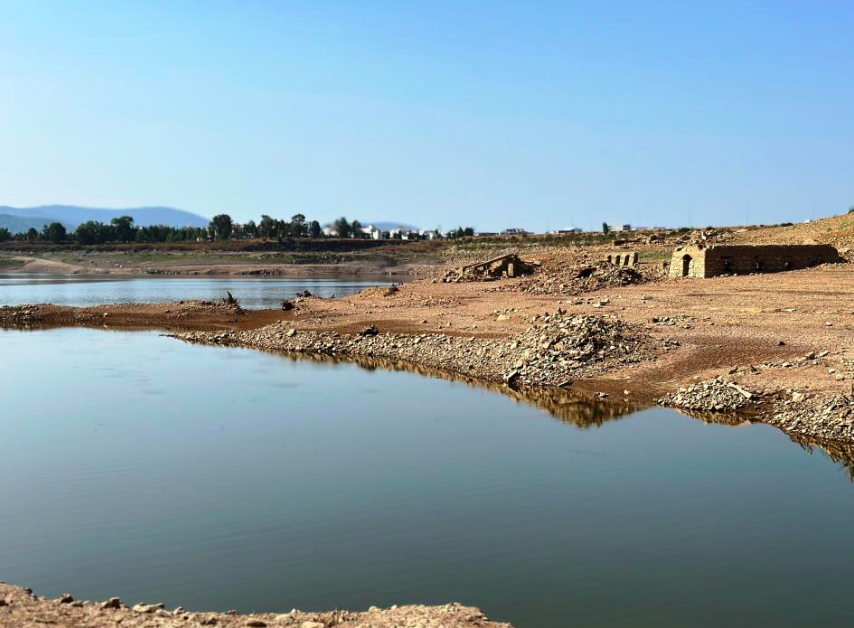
<point>137,466</point>
<point>83,290</point>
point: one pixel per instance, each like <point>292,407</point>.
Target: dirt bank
<point>21,608</point>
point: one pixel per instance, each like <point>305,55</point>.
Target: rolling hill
<point>21,224</point>
<point>71,216</point>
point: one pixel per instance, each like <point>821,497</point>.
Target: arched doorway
<point>686,265</point>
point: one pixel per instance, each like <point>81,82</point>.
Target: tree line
<point>123,229</point>
<point>221,227</point>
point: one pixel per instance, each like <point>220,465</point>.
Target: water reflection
<point>220,478</point>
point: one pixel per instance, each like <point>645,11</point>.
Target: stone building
<point>697,260</point>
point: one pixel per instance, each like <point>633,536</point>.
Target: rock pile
<point>716,395</point>
<point>578,278</point>
<point>20,315</point>
<point>552,352</point>
<point>561,345</point>
<point>825,417</point>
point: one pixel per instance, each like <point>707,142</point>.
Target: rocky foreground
<point>21,608</point>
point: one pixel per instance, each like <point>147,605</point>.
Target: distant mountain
<point>71,216</point>
<point>19,224</point>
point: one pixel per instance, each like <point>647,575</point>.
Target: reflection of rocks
<point>569,407</point>
<point>841,453</point>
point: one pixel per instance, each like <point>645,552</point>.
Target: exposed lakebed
<point>218,478</point>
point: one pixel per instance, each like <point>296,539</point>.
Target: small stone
<point>312,624</point>
<point>113,602</point>
<point>255,623</point>
<point>66,598</point>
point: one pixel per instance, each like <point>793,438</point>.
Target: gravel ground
<point>19,608</point>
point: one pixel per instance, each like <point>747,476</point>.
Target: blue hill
<point>71,215</point>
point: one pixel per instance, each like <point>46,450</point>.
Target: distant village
<point>373,232</point>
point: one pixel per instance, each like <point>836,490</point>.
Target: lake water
<point>85,290</point>
<point>214,478</point>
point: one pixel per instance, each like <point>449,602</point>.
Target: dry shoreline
<point>774,348</point>
<point>20,607</point>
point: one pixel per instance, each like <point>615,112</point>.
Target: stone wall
<point>699,261</point>
<point>622,258</point>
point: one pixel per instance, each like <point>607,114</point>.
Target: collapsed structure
<point>503,266</point>
<point>697,260</point>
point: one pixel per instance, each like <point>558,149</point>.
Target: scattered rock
<point>370,330</point>
<point>714,395</point>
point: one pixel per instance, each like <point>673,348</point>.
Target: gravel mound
<point>556,349</point>
<point>715,395</point>
<point>577,278</point>
<point>20,315</point>
<point>827,417</point>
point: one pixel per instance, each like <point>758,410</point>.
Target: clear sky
<point>493,114</point>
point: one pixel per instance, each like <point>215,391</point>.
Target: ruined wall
<point>742,260</point>
<point>621,258</point>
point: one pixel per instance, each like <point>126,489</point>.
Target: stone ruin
<point>503,266</point>
<point>701,261</point>
<point>622,258</point>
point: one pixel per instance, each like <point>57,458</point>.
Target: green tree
<point>298,226</point>
<point>356,229</point>
<point>32,234</point>
<point>5,236</point>
<point>54,232</point>
<point>314,229</point>
<point>221,227</point>
<point>250,229</point>
<point>91,232</point>
<point>267,227</point>
<point>344,228</point>
<point>123,229</point>
<point>606,228</point>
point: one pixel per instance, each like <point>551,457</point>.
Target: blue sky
<point>492,114</point>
